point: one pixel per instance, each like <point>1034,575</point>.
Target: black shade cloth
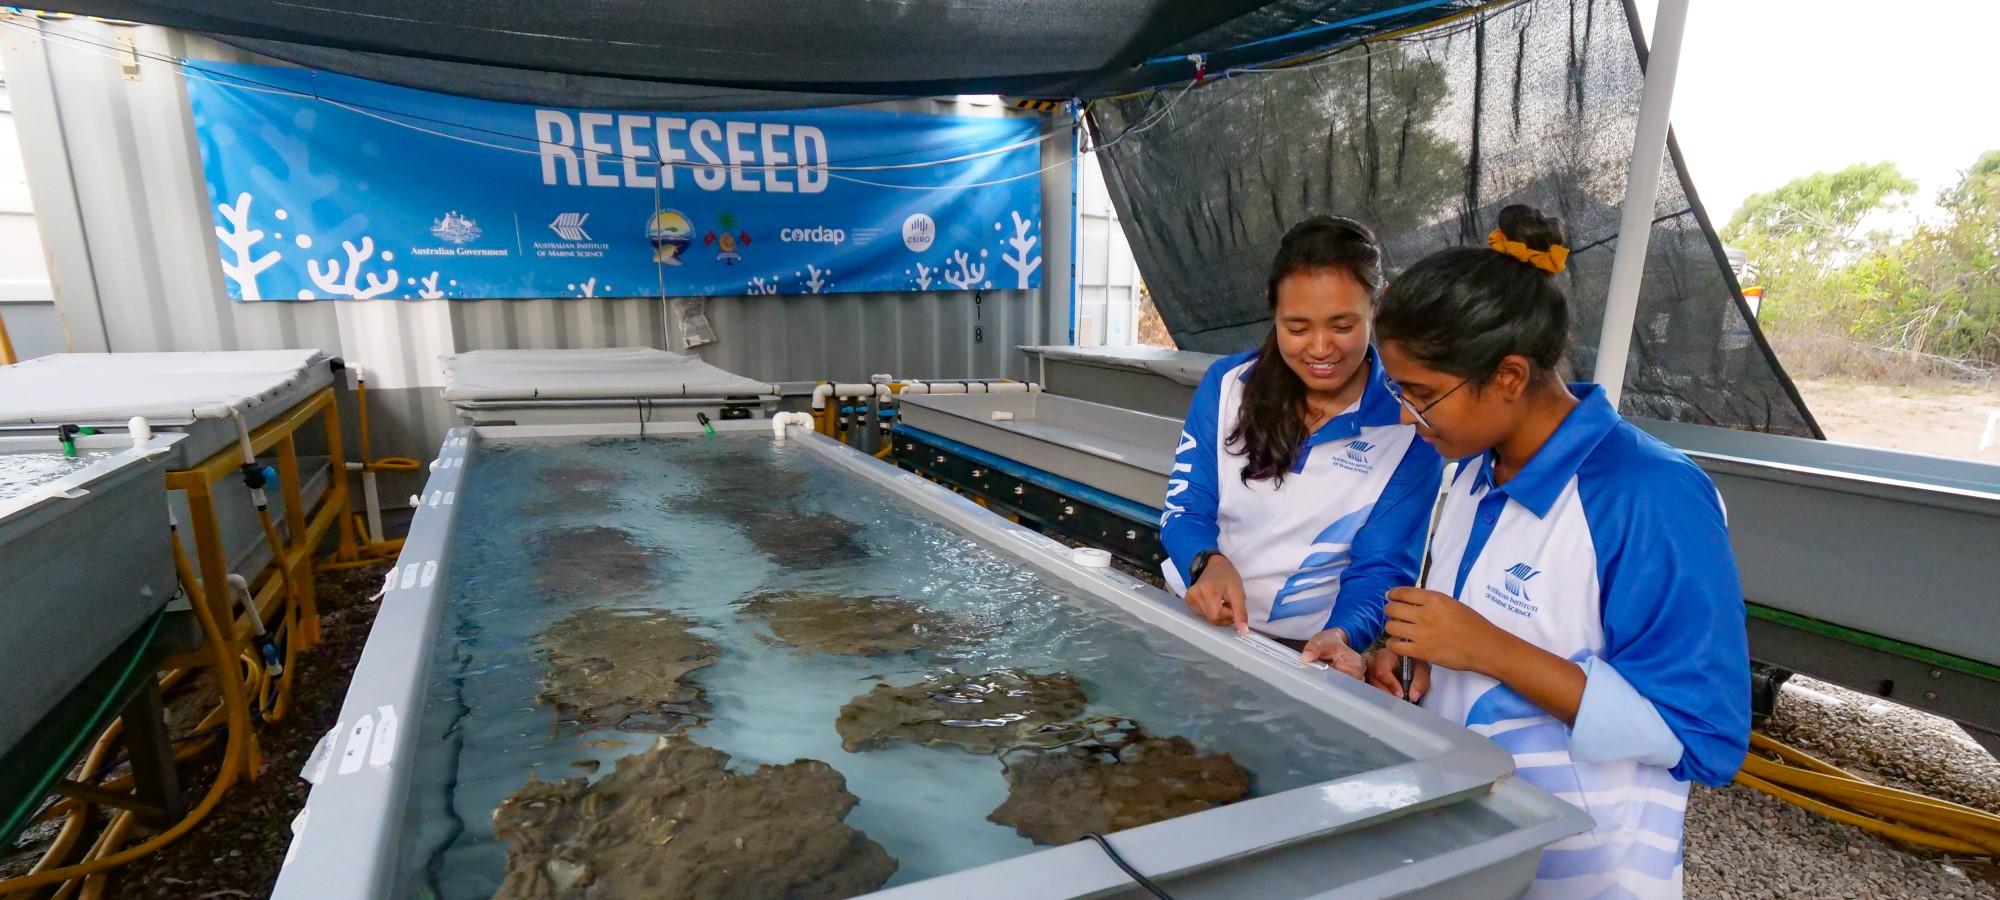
<point>1425,138</point>
<point>795,53</point>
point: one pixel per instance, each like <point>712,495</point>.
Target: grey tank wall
<point>115,175</point>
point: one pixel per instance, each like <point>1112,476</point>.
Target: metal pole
<point>1642,187</point>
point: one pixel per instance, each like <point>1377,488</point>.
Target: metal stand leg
<point>152,753</point>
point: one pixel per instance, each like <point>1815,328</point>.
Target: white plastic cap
<point>1090,557</point>
<point>142,431</point>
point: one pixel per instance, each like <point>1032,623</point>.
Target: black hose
<point>1143,881</point>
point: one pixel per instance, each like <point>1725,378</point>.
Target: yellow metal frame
<point>227,647</point>
<point>290,589</point>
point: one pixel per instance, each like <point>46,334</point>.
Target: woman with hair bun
<point>1298,498</point>
<point>1582,607</point>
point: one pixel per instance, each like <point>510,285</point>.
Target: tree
<point>1936,292</point>
<point>1821,212</point>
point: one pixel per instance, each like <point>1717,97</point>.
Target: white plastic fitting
<point>142,431</point>
<point>780,421</point>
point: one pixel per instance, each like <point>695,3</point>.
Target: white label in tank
<point>384,744</point>
<point>356,750</point>
<point>1277,651</point>
<point>322,756</point>
<point>298,832</point>
<point>409,576</point>
<point>430,573</point>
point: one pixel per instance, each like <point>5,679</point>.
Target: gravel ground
<point>236,851</point>
<point>1743,844</point>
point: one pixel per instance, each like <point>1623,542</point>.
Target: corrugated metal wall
<point>116,179</point>
<point>26,303</point>
<point>1107,281</point>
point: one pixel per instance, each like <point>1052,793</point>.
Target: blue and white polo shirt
<point>1321,550</point>
<point>1610,549</point>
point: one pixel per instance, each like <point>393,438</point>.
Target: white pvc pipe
<point>1642,188</point>
<point>782,420</point>
<point>373,501</point>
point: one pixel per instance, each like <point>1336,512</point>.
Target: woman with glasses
<point>1298,498</point>
<point>1581,606</point>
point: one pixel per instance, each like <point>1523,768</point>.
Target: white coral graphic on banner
<point>586,288</point>
<point>817,283</point>
<point>1022,242</point>
<point>968,273</point>
<point>923,278</point>
<point>758,286</point>
<point>240,238</point>
<point>430,290</point>
<point>330,281</point>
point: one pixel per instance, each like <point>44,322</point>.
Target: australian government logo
<point>458,231</point>
<point>1513,594</point>
<point>1354,457</point>
<point>572,228</point>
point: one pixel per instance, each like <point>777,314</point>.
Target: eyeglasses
<point>1396,391</point>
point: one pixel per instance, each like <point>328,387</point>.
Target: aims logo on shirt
<point>1355,458</point>
<point>1515,598</point>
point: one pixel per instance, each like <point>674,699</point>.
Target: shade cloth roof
<point>765,53</point>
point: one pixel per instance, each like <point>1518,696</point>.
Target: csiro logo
<point>1358,451</point>
<point>919,232</point>
<point>1517,579</point>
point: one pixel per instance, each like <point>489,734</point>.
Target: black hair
<point>1268,426</point>
<point>1465,309</point>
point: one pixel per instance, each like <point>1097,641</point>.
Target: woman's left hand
<point>1440,630</point>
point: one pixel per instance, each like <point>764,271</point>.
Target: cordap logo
<point>455,228</point>
<point>1358,451</point>
<point>818,235</point>
<point>569,226</point>
<point>1517,579</point>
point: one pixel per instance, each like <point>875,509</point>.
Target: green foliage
<point>1935,292</point>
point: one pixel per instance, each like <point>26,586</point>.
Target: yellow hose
<point>240,744</point>
<point>1799,778</point>
<point>298,624</point>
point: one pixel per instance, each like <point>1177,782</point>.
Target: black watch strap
<point>1200,562</point>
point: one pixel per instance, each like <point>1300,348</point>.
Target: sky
<point>1770,90</point>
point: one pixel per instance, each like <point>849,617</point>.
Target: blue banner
<point>328,187</point>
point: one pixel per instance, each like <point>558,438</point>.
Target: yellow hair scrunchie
<point>1551,260</point>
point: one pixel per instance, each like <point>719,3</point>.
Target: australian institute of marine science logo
<point>1354,457</point>
<point>1514,590</point>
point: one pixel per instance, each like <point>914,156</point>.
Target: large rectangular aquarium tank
<point>680,665</point>
<point>83,562</point>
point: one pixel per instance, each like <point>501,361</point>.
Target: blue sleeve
<point>1187,523</point>
<point>1672,603</point>
<point>1389,548</point>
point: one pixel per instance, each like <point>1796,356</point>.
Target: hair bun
<point>1527,225</point>
<point>1527,235</point>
